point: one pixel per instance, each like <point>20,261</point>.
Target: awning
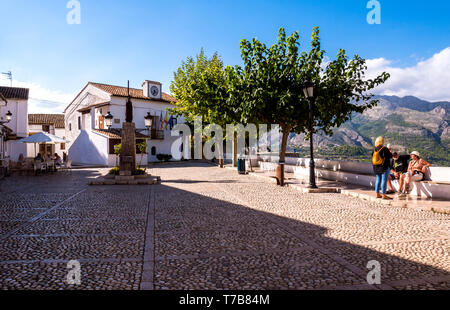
<point>42,138</point>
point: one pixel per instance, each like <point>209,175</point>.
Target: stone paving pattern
<point>210,228</point>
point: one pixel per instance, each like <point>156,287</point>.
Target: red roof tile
<point>134,92</point>
<point>115,133</point>
<point>56,120</point>
<point>14,92</point>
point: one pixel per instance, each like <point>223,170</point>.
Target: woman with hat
<point>417,170</point>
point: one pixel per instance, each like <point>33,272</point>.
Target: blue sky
<point>138,40</point>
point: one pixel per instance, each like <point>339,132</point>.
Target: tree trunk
<point>234,149</point>
<point>286,131</point>
<point>280,168</point>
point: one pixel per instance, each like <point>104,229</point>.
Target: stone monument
<point>127,166</point>
<point>128,151</point>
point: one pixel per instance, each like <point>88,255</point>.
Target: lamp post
<point>149,123</point>
<point>109,120</point>
<point>308,90</point>
<point>8,118</point>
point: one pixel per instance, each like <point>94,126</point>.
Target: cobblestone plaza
<point>210,228</point>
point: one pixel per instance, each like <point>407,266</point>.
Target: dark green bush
<point>140,171</point>
<point>164,157</point>
<point>114,171</point>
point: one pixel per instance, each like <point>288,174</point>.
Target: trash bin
<point>241,165</point>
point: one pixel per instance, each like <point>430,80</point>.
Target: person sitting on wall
<point>417,170</point>
<point>399,168</point>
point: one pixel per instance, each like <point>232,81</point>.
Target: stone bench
<point>438,188</point>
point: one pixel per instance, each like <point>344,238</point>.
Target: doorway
<point>101,122</point>
<point>46,150</point>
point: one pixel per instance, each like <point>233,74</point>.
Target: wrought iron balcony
<point>157,134</point>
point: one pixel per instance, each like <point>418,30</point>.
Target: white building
<point>17,128</point>
<point>90,142</point>
<point>49,123</point>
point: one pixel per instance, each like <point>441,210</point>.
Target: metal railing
<point>157,134</point>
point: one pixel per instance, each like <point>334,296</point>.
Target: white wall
<point>89,148</point>
<point>18,124</point>
<point>89,96</point>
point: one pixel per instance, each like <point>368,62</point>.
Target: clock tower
<point>152,89</point>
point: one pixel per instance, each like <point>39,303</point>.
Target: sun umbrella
<point>42,138</point>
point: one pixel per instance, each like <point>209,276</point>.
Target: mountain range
<point>407,123</point>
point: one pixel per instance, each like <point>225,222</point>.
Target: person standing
<point>381,159</point>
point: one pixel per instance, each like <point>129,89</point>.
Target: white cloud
<point>428,79</point>
<point>42,100</point>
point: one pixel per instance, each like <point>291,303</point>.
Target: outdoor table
<point>50,165</point>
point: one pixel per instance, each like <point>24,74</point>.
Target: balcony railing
<point>157,134</point>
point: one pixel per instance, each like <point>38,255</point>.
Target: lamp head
<point>148,120</point>
<point>109,119</point>
<point>308,89</point>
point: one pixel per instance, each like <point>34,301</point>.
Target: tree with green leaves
<point>201,89</point>
<point>270,84</point>
<point>200,86</point>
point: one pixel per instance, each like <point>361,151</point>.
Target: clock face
<point>154,91</point>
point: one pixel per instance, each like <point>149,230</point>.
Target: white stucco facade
<point>18,125</point>
<point>91,144</point>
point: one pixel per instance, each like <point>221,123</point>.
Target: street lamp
<point>308,90</point>
<point>149,123</point>
<point>109,120</point>
<point>8,118</point>
<point>148,120</point>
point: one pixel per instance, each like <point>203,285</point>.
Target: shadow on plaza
<point>256,249</point>
<point>59,181</point>
<point>198,181</point>
<point>208,243</point>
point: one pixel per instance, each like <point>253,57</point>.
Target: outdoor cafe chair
<point>50,165</point>
<point>39,167</point>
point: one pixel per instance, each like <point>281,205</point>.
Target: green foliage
<point>140,171</point>
<point>270,85</point>
<point>373,129</point>
<point>115,171</point>
<point>349,150</point>
<point>142,147</point>
<point>200,86</point>
<point>117,149</point>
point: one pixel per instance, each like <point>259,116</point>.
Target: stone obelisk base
<point>128,151</point>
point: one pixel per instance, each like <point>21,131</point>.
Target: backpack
<point>377,160</point>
